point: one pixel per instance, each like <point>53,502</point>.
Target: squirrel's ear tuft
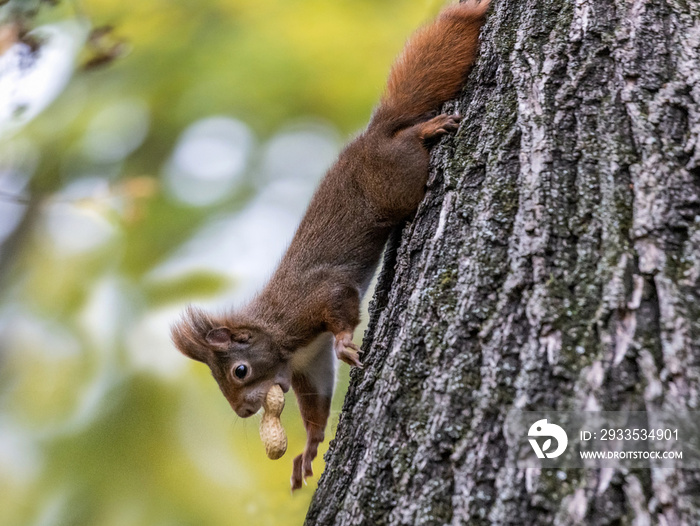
<point>190,334</point>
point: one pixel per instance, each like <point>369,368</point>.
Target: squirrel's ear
<point>241,335</point>
<point>220,338</point>
<point>197,335</point>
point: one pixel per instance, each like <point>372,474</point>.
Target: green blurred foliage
<point>96,426</point>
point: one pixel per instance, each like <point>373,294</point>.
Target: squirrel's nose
<point>247,407</point>
<point>245,412</point>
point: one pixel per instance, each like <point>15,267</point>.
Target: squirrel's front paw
<point>346,350</point>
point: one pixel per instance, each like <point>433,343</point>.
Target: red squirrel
<point>291,333</point>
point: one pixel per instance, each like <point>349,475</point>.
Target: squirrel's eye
<point>241,371</point>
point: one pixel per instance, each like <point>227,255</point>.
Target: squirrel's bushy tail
<point>432,68</point>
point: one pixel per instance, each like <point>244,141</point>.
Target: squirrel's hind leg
<point>313,389</point>
<point>398,188</point>
<point>315,409</point>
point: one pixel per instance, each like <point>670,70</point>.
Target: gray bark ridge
<point>554,264</point>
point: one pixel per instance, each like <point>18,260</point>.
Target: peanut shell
<point>271,431</point>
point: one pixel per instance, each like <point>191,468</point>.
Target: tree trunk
<point>554,264</point>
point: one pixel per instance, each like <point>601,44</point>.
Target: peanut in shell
<point>271,431</point>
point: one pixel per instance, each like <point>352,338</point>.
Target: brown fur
<point>377,181</point>
<point>314,410</point>
<point>431,69</point>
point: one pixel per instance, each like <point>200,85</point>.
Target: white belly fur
<point>317,362</point>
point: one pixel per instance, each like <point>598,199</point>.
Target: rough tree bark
<point>554,264</point>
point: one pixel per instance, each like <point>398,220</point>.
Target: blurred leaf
<point>82,323</point>
<point>194,285</point>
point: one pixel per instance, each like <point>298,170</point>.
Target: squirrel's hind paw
<point>438,126</point>
<point>301,470</point>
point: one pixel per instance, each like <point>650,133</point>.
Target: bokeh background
<point>155,153</point>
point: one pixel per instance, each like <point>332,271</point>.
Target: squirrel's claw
<point>350,357</point>
<point>438,126</point>
<point>346,350</point>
